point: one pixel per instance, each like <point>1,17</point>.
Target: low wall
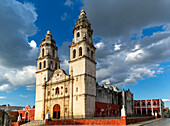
<point>121,121</point>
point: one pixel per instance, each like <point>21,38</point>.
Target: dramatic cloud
<point>115,18</point>
<point>17,59</point>
<point>17,23</point>
<point>125,52</point>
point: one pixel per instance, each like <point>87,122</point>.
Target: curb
<point>145,122</point>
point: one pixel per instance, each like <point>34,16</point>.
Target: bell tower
<point>47,63</point>
<point>83,67</point>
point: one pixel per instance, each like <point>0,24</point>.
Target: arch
<point>40,65</point>
<point>55,65</point>
<point>56,111</point>
<point>80,51</point>
<point>74,53</point>
<point>149,103</point>
<point>88,51</point>
<point>57,91</point>
<point>92,54</point>
<point>78,34</point>
<point>43,52</point>
<point>53,53</point>
<point>65,90</point>
<point>51,64</point>
<point>26,116</point>
<point>154,102</point>
<point>143,103</point>
<point>44,64</point>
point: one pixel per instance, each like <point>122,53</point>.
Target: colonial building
<point>153,107</point>
<point>75,95</point>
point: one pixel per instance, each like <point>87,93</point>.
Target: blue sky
<point>132,44</point>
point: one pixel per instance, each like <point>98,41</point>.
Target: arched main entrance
<point>56,111</point>
<point>26,116</point>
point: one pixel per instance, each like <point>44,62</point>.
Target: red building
<point>27,113</point>
<point>149,107</point>
<point>106,110</point>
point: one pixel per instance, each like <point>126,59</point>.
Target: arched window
<point>88,51</point>
<point>65,90</point>
<point>80,51</point>
<point>53,55</point>
<point>143,103</point>
<point>40,65</point>
<point>149,103</point>
<point>51,65</point>
<point>154,103</point>
<point>78,34</point>
<point>74,53</point>
<point>57,91</point>
<point>44,64</point>
<point>92,54</point>
<point>138,104</point>
<point>42,52</point>
<point>55,65</point>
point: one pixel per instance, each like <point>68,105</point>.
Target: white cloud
<point>68,3</point>
<point>30,87</point>
<point>2,97</point>
<point>64,16</point>
<point>23,96</point>
<point>6,87</point>
<point>33,44</point>
<point>117,47</point>
<point>166,100</point>
<point>98,45</point>
<point>25,76</point>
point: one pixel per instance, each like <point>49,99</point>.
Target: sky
<point>132,40</point>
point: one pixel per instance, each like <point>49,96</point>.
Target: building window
<point>76,98</point>
<point>77,89</point>
<point>53,55</point>
<point>74,53</point>
<point>76,78</point>
<point>44,64</point>
<point>113,112</point>
<point>88,52</point>
<point>138,104</point>
<point>66,90</point>
<point>65,109</point>
<point>149,103</point>
<point>42,52</point>
<point>48,93</point>
<point>143,103</point>
<point>154,103</point>
<point>57,91</point>
<point>61,87</point>
<point>55,65</point>
<point>92,54</point>
<point>80,51</point>
<point>51,65</point>
<point>78,34</point>
<point>40,65</point>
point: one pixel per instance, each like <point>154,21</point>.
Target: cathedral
<point>76,95</point>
